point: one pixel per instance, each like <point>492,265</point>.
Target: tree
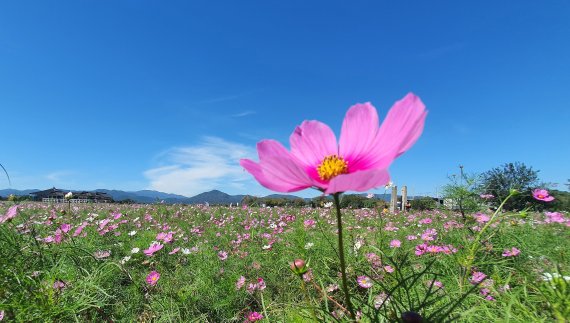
<point>500,180</point>
<point>423,203</point>
<point>462,191</point>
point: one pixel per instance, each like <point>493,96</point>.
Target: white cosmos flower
<point>135,250</point>
<point>549,277</point>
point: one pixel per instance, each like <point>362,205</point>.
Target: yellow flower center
<point>332,166</point>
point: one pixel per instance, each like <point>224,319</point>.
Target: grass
<point>70,281</point>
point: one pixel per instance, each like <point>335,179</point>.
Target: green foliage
<point>273,201</point>
<point>556,290</point>
<point>320,201</point>
<point>355,201</point>
<point>500,180</point>
<point>423,203</point>
<point>561,202</point>
<point>200,287</point>
<point>462,191</point>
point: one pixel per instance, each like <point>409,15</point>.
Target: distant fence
<point>56,200</point>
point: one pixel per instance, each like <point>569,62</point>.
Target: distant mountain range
<point>149,196</point>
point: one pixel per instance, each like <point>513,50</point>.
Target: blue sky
<point>169,95</point>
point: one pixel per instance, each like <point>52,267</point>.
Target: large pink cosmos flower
<point>358,162</point>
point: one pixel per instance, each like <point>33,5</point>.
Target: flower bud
<point>411,317</point>
<point>514,192</point>
<point>298,266</point>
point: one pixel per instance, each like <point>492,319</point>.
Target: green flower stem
<point>265,316</point>
<point>475,244</point>
<point>341,256</point>
<point>307,299</point>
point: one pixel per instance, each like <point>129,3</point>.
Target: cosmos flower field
<point>110,262</point>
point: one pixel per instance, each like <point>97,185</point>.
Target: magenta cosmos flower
<point>542,195</point>
<point>153,278</point>
<point>152,249</point>
<point>358,162</point>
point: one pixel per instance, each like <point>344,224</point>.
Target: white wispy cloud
<point>211,164</point>
<point>243,114</point>
<point>58,176</point>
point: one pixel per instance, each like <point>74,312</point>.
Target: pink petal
<point>359,181</point>
<point>277,170</point>
<point>311,142</point>
<point>403,125</point>
<point>358,134</point>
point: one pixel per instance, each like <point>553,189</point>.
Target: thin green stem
<point>341,256</point>
<point>471,257</point>
<point>308,299</point>
<point>264,309</point>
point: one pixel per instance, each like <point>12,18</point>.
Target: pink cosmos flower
<point>240,282</point>
<point>511,253</point>
<point>435,283</point>
<point>65,227</point>
<point>59,285</point>
<point>79,229</point>
<point>395,244</point>
<point>364,281</point>
<point>308,276</point>
<point>358,162</point>
<point>10,214</point>
<point>487,196</point>
<point>481,217</point>
<point>175,250</point>
<point>374,259</point>
<point>254,317</point>
<point>477,277</point>
<point>153,278</point>
<point>222,255</point>
<point>260,283</point>
<point>309,223</point>
<point>542,195</point>
<point>152,249</point>
<point>554,217</point>
<point>421,249</point>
